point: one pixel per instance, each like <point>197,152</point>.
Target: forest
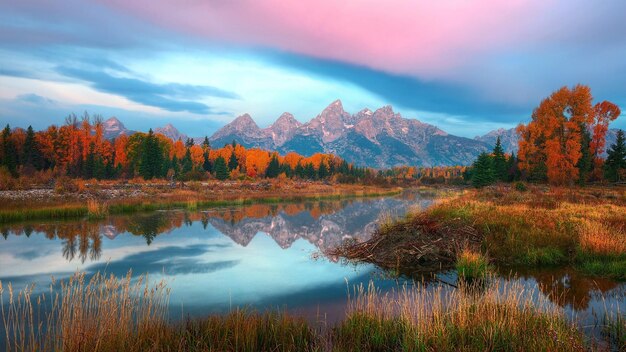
<point>78,149</point>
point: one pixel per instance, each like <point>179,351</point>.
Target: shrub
<point>520,187</point>
<point>65,184</point>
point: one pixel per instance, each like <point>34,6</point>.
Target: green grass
<point>615,331</point>
<point>57,212</point>
<point>610,266</point>
<point>472,266</point>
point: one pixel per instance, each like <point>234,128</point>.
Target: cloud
<point>171,260</point>
<point>404,90</point>
<point>35,99</point>
<point>169,96</point>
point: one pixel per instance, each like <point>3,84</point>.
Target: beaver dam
<point>415,244</point>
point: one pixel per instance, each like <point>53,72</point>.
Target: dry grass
<point>84,315</point>
<point>539,226</point>
<point>96,209</point>
<point>111,314</point>
<point>503,318</point>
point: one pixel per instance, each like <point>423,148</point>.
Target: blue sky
<point>467,67</point>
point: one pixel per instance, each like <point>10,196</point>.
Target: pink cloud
<point>424,37</point>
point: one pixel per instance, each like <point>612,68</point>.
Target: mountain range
<point>380,138</point>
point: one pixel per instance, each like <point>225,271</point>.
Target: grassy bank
<point>192,200</point>
<point>537,227</point>
<point>114,314</point>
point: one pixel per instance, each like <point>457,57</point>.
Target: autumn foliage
<point>78,149</point>
<point>565,139</point>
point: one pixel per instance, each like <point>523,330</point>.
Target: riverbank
<point>100,199</point>
<point>527,226</point>
<point>107,313</point>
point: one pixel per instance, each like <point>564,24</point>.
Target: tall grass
<point>501,318</point>
<point>98,314</point>
<point>96,209</point>
<point>122,314</point>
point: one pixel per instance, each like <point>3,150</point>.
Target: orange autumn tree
<point>604,113</point>
<point>551,145</point>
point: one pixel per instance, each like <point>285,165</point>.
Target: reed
<point>103,313</point>
<point>106,313</point>
<point>615,330</point>
<point>96,209</point>
<point>503,317</point>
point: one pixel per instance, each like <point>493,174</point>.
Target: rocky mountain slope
<point>380,138</point>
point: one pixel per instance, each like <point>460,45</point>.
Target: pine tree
<point>189,143</point>
<point>187,162</point>
<point>206,164</point>
<point>615,164</point>
<point>31,155</point>
<point>151,157</point>
<point>499,161</point>
<point>221,170</point>
<point>309,171</point>
<point>273,168</point>
<point>322,172</point>
<point>482,171</point>
<point>512,169</point>
<point>232,162</point>
<point>10,158</point>
<point>90,162</point>
<point>205,143</point>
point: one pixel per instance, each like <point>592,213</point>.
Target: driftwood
<point>419,244</point>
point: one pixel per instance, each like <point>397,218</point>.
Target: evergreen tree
<point>189,143</point>
<point>206,164</point>
<point>205,143</point>
<point>8,147</point>
<point>232,162</point>
<point>90,162</point>
<point>499,161</point>
<point>512,169</point>
<point>299,170</point>
<point>273,168</point>
<point>482,171</point>
<point>187,162</point>
<point>615,164</point>
<point>221,170</point>
<point>31,155</point>
<point>151,157</point>
<point>322,172</point>
<point>309,171</point>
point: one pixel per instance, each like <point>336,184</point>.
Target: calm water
<point>262,256</point>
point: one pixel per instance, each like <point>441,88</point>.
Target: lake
<point>259,256</point>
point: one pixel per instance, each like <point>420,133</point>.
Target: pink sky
<point>414,37</point>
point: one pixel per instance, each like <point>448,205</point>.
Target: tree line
<point>563,144</point>
<point>78,149</point>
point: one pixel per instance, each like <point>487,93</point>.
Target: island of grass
<point>517,226</point>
